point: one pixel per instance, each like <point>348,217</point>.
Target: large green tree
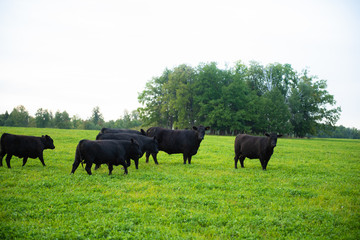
<point>309,105</point>
<point>179,96</point>
<point>155,110</point>
<point>242,98</point>
<point>207,90</point>
<point>274,114</point>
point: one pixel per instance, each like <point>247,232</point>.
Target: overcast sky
<point>77,54</point>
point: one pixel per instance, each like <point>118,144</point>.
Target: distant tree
<point>97,117</point>
<point>309,102</point>
<point>207,92</point>
<point>3,118</point>
<point>239,99</point>
<point>89,125</point>
<point>256,78</point>
<point>229,111</point>
<point>282,77</point>
<point>62,120</point>
<point>127,121</point>
<point>156,109</point>
<point>43,118</point>
<point>274,113</point>
<point>19,117</point>
<point>179,96</point>
<point>76,122</point>
<point>343,132</point>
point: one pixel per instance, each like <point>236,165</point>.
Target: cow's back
<point>249,146</point>
<point>174,141</point>
<point>21,146</point>
<point>100,150</point>
<point>129,131</point>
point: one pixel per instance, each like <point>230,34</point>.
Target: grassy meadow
<point>309,191</point>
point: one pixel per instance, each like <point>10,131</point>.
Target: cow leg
<point>110,168</point>
<point>242,158</point>
<point>263,163</point>
<point>236,159</point>
<point>24,160</point>
<point>136,163</point>
<point>125,169</point>
<point>147,157</point>
<point>184,157</point>
<point>75,166</point>
<point>8,157</point>
<point>266,161</point>
<point>154,155</point>
<point>88,167</point>
<point>42,159</point>
<point>97,166</point>
<point>2,154</point>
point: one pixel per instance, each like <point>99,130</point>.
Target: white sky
<point>74,55</point>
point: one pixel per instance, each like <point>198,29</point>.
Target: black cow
<point>253,147</point>
<point>111,152</point>
<point>186,142</point>
<point>24,147</point>
<point>147,144</point>
<point>115,130</point>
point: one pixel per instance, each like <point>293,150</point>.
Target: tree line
<point>20,117</point>
<point>239,99</point>
<point>243,98</point>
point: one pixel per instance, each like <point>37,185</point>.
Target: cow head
<point>48,142</point>
<point>200,130</point>
<point>272,138</point>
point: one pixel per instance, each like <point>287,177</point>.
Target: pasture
<point>309,191</point>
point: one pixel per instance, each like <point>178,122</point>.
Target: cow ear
<point>195,128</point>
<point>42,136</point>
<point>279,135</point>
<point>266,134</point>
<point>143,132</point>
<point>207,128</point>
<point>154,138</point>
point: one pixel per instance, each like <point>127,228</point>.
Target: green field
<point>309,191</point>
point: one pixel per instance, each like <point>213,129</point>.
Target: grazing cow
<point>111,152</point>
<point>114,130</point>
<point>147,144</point>
<point>24,147</point>
<point>253,147</point>
<point>186,142</point>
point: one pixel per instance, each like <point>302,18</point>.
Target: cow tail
<point>2,141</point>
<point>78,157</point>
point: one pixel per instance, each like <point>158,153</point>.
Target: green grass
<point>309,191</point>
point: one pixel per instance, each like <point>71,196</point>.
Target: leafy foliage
<point>45,119</point>
<point>239,99</point>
